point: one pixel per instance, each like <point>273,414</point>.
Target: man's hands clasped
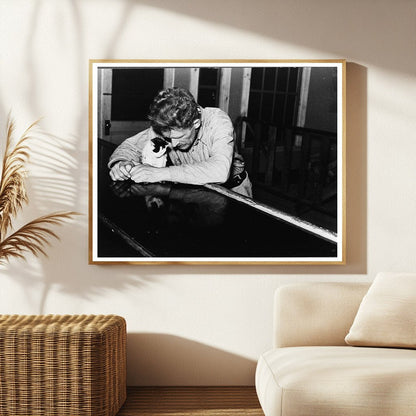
<point>122,171</point>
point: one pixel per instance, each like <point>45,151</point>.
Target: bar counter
<point>174,221</point>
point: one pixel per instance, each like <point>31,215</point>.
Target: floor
<point>187,401</point>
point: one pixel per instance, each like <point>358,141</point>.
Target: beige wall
<point>204,325</point>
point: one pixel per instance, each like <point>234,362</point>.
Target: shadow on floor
<point>168,360</point>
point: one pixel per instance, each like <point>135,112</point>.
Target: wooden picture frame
<point>288,118</point>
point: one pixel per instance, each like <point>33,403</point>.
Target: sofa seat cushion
<point>342,380</point>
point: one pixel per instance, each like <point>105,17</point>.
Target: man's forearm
<point>214,170</point>
<point>146,173</point>
<point>129,150</point>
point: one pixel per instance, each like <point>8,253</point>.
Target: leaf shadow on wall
<point>69,13</point>
<point>59,180</point>
<point>52,186</point>
<point>163,359</point>
<point>333,27</point>
<point>68,189</point>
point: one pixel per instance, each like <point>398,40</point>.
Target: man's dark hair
<point>173,108</point>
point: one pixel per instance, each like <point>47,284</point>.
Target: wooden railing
<point>297,163</point>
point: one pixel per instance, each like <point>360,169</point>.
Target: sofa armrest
<point>315,313</point>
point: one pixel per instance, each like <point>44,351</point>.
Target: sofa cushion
<point>315,314</point>
<point>304,381</point>
<point>387,314</point>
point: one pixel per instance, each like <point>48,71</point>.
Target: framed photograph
<point>217,162</point>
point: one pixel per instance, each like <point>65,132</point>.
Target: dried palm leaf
<point>32,237</point>
<point>35,235</point>
<point>12,184</point>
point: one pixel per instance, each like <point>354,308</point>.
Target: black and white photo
<point>225,162</point>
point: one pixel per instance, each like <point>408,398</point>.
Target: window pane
<point>279,110</point>
<point>269,78</point>
<point>293,79</point>
<point>254,105</point>
<point>256,78</point>
<point>282,79</point>
<point>267,107</point>
<point>290,110</point>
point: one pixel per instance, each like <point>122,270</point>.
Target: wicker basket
<point>71,365</point>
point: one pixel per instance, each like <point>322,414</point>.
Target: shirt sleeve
<point>130,150</point>
<point>217,137</point>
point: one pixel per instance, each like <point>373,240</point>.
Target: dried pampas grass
<point>35,235</point>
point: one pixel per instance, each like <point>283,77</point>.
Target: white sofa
<point>311,370</point>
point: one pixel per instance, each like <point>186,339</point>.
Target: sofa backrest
<point>308,314</point>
